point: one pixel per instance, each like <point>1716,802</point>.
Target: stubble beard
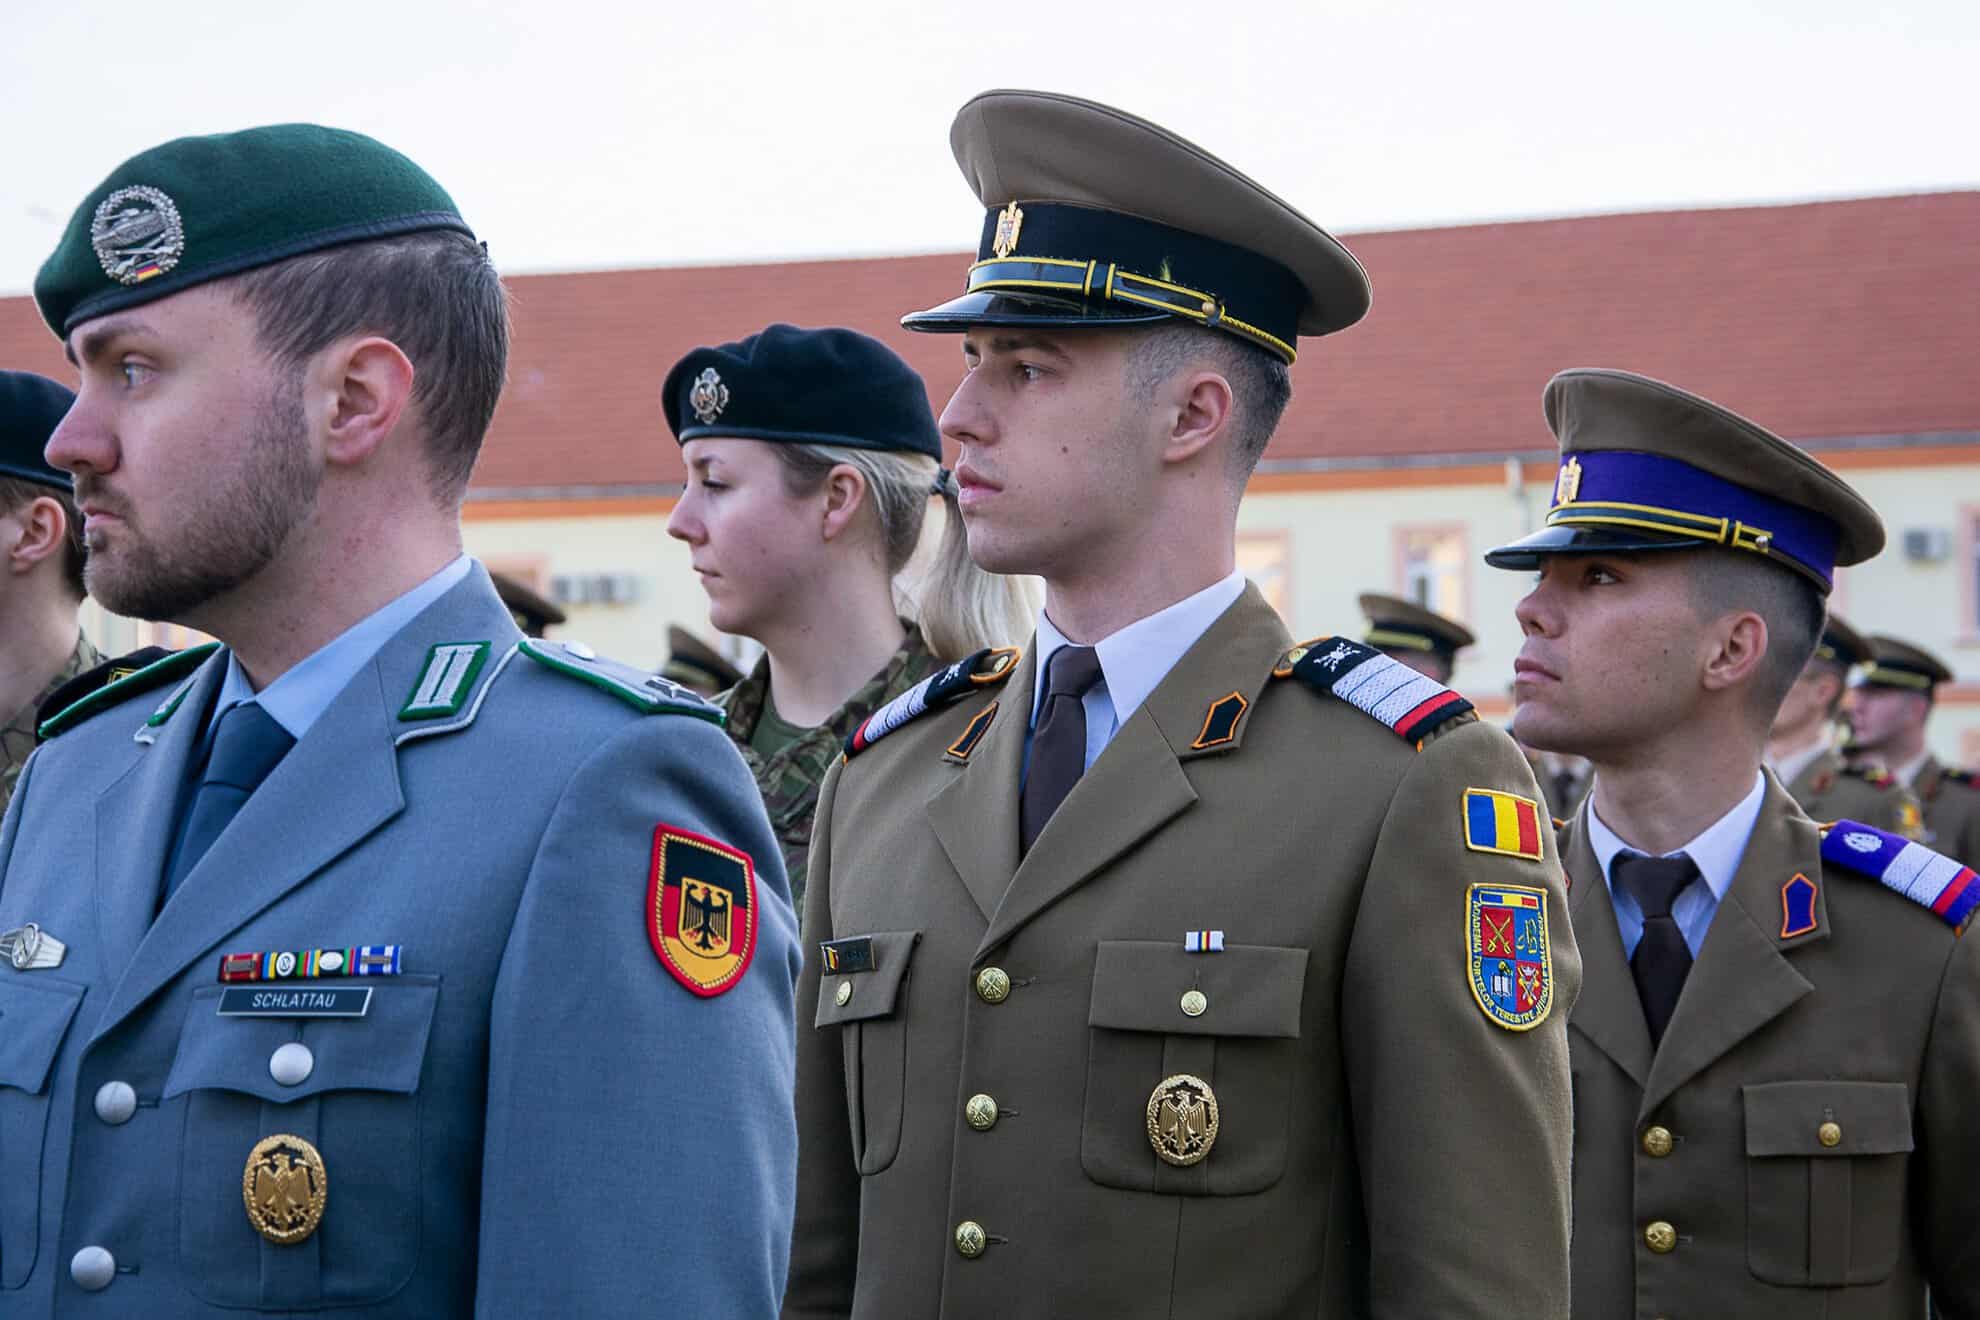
<point>232,531</point>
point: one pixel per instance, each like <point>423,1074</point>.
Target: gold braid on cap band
<point>1897,677</point>
<point>1098,279</point>
<point>1715,531</point>
<point>1384,637</point>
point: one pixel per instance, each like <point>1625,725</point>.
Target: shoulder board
<point>115,681</point>
<point>986,668</point>
<point>1874,775</point>
<point>644,691</point>
<point>1964,777</point>
<point>1927,878</point>
<point>1414,705</point>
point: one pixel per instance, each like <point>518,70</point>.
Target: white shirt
<point>1789,767</point>
<point>1716,853</point>
<point>1907,774</point>
<point>1133,660</point>
<point>304,692</point>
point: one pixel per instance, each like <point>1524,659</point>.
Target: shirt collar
<point>1907,774</point>
<point>305,691</point>
<point>1716,852</point>
<point>1789,767</point>
<point>1135,659</point>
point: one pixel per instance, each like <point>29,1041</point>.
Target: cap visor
<point>987,308</point>
<point>1528,551</point>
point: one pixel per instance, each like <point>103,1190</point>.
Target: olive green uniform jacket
<point>1384,1148</point>
<point>1951,799</point>
<point>1828,789</point>
<point>17,740</point>
<point>1869,1021</point>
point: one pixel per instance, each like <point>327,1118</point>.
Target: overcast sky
<point>580,136</point>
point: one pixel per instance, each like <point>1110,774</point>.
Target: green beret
<point>31,407</point>
<point>201,208</point>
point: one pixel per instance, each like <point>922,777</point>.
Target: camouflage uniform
<point>17,738</point>
<point>789,779</point>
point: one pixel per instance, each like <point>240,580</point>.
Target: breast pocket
<point>1216,1035</point>
<point>34,1017</point>
<point>1825,1180</point>
<point>351,1090</point>
<point>870,1010</point>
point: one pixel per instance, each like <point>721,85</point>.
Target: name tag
<point>296,1002</point>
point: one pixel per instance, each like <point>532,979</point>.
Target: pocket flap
<point>34,1016</point>
<point>382,1051</point>
<point>871,993</point>
<point>1248,989</point>
<point>1860,1118</point>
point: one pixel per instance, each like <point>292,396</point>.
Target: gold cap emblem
<point>709,396</point>
<point>1182,1119</point>
<point>1009,221</point>
<point>137,234</point>
<point>284,1187</point>
<point>1569,484</point>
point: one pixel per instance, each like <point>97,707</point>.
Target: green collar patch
<point>649,693</point>
<point>159,672</point>
<point>446,680</point>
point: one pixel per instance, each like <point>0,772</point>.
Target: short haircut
<point>1260,382</point>
<point>435,294</point>
<point>1727,580</point>
<point>17,494</point>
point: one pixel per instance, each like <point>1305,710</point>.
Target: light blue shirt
<point>1134,660</point>
<point>301,695</point>
<point>1716,853</point>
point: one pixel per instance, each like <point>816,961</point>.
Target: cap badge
<point>1569,484</point>
<point>1009,221</point>
<point>285,1186</point>
<point>709,396</point>
<point>137,234</point>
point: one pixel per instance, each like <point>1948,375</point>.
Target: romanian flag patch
<point>1496,822</point>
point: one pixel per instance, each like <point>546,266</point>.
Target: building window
<point>1266,558</point>
<point>1433,568</point>
<point>1969,571</point>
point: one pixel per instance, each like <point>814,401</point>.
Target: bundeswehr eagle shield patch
<point>701,910</point>
<point>1510,959</point>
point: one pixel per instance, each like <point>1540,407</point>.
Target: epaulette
<point>644,691</point>
<point>1927,878</point>
<point>1414,705</point>
<point>153,666</point>
<point>1874,775</point>
<point>986,668</point>
<point>1965,778</point>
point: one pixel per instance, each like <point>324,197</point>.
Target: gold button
<point>1194,1002</point>
<point>844,994</point>
<point>1660,1237</point>
<point>971,1239</point>
<point>981,1112</point>
<point>1829,1134</point>
<point>1657,1142</point>
<point>993,985</point>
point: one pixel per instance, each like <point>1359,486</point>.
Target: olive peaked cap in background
<point>201,208</point>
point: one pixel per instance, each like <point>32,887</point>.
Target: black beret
<point>809,387</point>
<point>31,407</point>
<point>198,208</point>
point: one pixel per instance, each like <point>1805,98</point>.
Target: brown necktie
<point>1662,958</point>
<point>1058,745</point>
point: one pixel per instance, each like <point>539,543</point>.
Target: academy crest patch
<point>1508,954</point>
<point>701,910</point>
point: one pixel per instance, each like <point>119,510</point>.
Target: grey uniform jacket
<point>534,1118</point>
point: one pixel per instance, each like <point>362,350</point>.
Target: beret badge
<point>709,396</point>
<point>137,234</point>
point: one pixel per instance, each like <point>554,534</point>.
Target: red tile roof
<point>1830,319</point>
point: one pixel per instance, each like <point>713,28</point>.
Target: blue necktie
<point>247,744</point>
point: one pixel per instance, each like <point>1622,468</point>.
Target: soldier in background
<point>1888,709</point>
<point>1422,639</point>
<point>42,645</point>
<point>696,665</point>
<point>532,613</point>
<point>1804,753</point>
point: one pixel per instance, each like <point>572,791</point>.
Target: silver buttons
<point>292,1064</point>
<point>580,650</point>
<point>115,1102</point>
<point>92,1268</point>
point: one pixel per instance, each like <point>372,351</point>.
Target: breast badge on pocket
<point>1182,1120</point>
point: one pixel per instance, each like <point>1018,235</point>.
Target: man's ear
<point>845,494</point>
<point>44,528</point>
<point>1739,647</point>
<point>362,388</point>
<point>1204,411</point>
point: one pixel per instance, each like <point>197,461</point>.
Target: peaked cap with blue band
<point>809,387</point>
<point>1098,218</point>
<point>31,407</point>
<point>1646,466</point>
<point>202,208</point>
